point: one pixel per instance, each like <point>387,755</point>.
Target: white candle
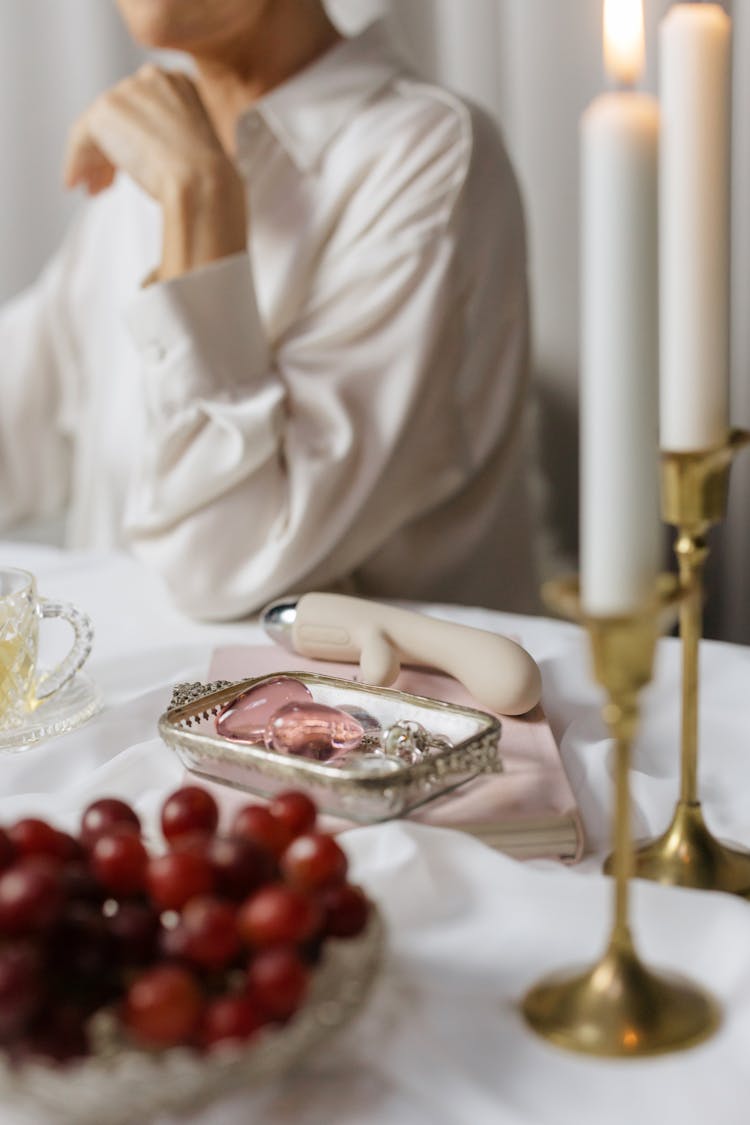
<point>620,526</point>
<point>695,209</point>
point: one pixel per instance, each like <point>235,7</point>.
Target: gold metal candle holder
<point>694,499</point>
<point>618,1007</point>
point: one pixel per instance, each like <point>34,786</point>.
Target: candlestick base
<point>620,1009</point>
<point>688,855</point>
<point>694,499</point>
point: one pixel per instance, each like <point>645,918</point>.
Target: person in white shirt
<point>285,347</point>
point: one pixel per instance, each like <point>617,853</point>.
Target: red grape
<point>172,943</point>
<point>119,862</point>
<point>210,927</point>
<point>31,898</point>
<point>7,851</point>
<point>32,837</point>
<point>163,1006</point>
<point>278,915</point>
<point>295,811</point>
<point>174,878</point>
<point>230,1018</point>
<point>314,861</point>
<point>240,866</point>
<point>20,989</point>
<point>347,909</point>
<point>60,1034</point>
<point>78,961</point>
<point>80,883</point>
<point>69,850</point>
<point>80,950</point>
<point>188,810</point>
<point>278,979</point>
<point>255,823</point>
<point>104,816</point>
<point>134,928</point>
<point>196,842</point>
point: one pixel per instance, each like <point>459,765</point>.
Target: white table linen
<point>441,1041</point>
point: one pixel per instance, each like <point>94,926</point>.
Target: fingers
<point>152,125</point>
<point>153,85</point>
<point>85,164</point>
<point>114,133</point>
<point>172,87</point>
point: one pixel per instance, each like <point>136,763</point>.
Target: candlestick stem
<point>620,1008</point>
<point>622,842</point>
<point>692,551</point>
<point>694,498</point>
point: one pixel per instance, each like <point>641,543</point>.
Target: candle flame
<point>624,40</point>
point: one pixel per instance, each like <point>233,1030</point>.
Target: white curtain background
<point>55,55</point>
<point>534,64</point>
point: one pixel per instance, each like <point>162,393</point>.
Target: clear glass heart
<point>369,723</point>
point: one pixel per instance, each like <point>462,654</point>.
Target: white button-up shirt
<point>341,406</point>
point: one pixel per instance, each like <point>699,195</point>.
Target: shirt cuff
<point>200,335</point>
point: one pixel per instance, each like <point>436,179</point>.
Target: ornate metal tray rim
<point>198,701</point>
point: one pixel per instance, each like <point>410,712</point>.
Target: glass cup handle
<point>83,638</point>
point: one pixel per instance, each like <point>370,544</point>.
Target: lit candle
<point>695,210</point>
<point>620,526</point>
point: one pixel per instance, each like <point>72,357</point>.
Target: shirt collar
<point>309,109</point>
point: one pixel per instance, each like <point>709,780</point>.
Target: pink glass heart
<point>312,730</point>
<point>245,719</point>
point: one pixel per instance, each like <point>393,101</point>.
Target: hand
<point>154,127</point>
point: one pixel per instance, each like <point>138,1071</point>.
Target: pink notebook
<point>528,811</point>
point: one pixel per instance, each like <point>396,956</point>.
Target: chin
<point>157,23</point>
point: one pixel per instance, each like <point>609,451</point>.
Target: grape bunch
<point>204,943</point>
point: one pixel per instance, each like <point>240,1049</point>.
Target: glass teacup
<point>22,688</point>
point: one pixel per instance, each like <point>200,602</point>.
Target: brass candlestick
<point>694,499</point>
<point>619,1008</point>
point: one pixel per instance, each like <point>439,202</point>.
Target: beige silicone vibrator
<point>499,673</point>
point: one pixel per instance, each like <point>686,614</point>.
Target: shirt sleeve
<point>35,393</point>
<point>268,470</point>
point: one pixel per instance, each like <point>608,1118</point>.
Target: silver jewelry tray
<point>188,728</point>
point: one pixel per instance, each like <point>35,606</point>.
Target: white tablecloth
<point>442,1040</point>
